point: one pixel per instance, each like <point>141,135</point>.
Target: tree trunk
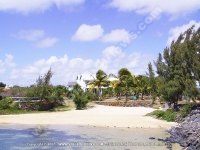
<point>126,96</point>
<point>142,96</point>
<point>176,103</point>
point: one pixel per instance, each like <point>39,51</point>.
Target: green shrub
<point>186,109</point>
<point>80,97</point>
<point>172,115</point>
<point>7,103</point>
<point>4,104</point>
<point>9,100</point>
<point>159,113</point>
<point>14,106</point>
<point>168,115</point>
<point>80,102</point>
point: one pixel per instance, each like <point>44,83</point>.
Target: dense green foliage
<point>107,92</point>
<point>7,103</point>
<point>153,83</point>
<point>171,114</point>
<point>186,109</point>
<point>59,92</point>
<point>45,91</point>
<point>44,88</point>
<point>80,97</point>
<point>142,85</point>
<point>168,115</point>
<point>180,68</point>
<point>99,81</point>
<point>126,81</point>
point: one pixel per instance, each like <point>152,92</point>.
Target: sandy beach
<point>129,117</point>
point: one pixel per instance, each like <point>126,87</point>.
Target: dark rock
<point>197,119</point>
<point>198,146</point>
<point>190,148</point>
<point>183,144</point>
<point>152,138</point>
<point>193,117</point>
<point>169,145</point>
<point>161,139</point>
<point>186,133</point>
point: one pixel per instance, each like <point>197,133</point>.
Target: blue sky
<point>82,36</point>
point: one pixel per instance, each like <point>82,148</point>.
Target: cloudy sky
<point>82,36</point>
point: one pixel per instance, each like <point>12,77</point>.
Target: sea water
<point>76,137</point>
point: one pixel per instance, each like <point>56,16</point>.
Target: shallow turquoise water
<point>62,137</point>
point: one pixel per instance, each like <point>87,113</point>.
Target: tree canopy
<point>179,67</point>
<point>99,81</point>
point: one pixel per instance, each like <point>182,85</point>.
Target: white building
<point>71,85</point>
<point>84,79</point>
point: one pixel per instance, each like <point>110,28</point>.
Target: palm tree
<point>142,85</point>
<point>126,79</point>
<point>115,84</point>
<point>99,82</point>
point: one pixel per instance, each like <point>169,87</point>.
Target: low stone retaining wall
<point>128,104</point>
<point>28,106</point>
<point>36,106</point>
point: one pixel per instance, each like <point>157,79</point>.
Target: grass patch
<point>10,109</point>
<point>172,115</point>
<point>168,115</point>
<point>63,108</point>
<point>16,111</point>
<point>91,103</point>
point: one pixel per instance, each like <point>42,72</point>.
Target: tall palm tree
<point>126,79</point>
<point>142,84</point>
<point>115,84</point>
<point>99,82</point>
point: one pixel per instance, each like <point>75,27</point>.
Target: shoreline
<point>104,116</point>
<point>25,136</point>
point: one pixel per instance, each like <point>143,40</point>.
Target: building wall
<point>83,79</point>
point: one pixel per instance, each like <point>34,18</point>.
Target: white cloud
<point>65,70</point>
<point>88,33</point>
<point>116,36</point>
<point>30,70</point>
<point>30,35</point>
<point>68,2</point>
<point>8,62</point>
<point>27,6</point>
<point>36,36</point>
<point>175,32</point>
<point>39,63</point>
<point>95,32</point>
<point>171,7</point>
<point>47,42</point>
<point>113,52</point>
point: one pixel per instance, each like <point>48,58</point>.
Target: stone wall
<point>128,104</point>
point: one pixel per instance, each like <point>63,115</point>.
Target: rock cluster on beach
<point>187,133</point>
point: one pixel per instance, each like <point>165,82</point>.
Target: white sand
<point>97,116</point>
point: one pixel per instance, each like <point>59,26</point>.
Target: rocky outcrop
<point>187,133</point>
